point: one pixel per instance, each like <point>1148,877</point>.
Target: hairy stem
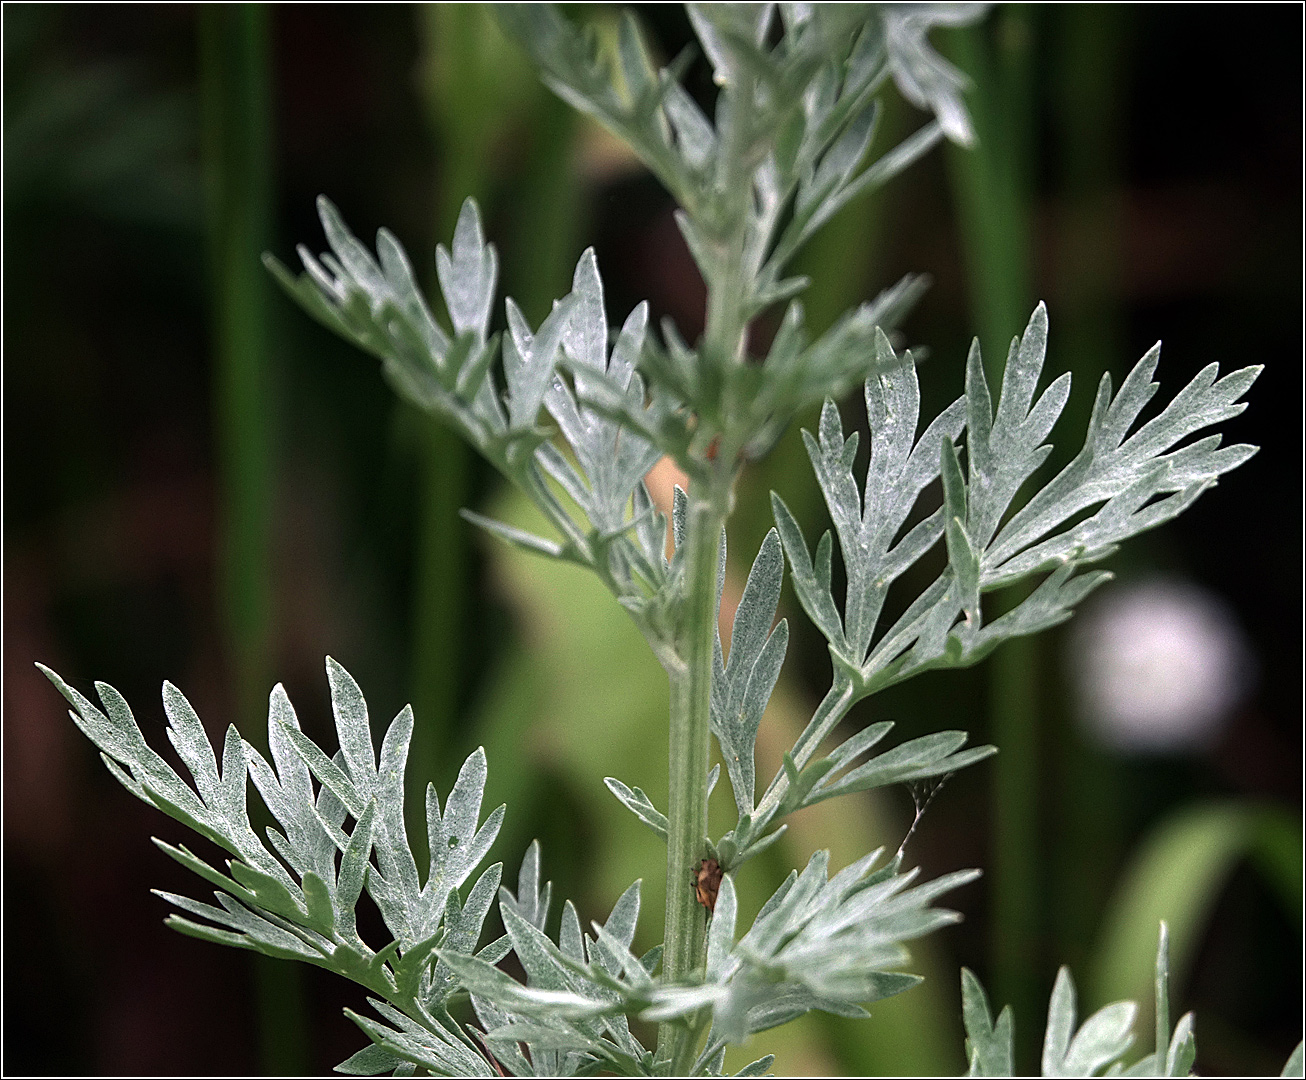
<point>691,693</point>
<point>724,343</point>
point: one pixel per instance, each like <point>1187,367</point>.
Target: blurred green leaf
<point>1176,876</point>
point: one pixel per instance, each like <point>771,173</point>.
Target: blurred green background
<point>202,485</point>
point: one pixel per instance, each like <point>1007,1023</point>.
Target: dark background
<point>112,505</point>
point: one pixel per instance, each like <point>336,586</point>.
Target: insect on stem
<point>707,883</point>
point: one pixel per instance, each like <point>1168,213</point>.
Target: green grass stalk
<point>991,185</point>
<point>236,138</point>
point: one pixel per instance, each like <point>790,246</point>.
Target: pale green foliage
<point>297,899</point>
<point>1137,480</point>
<point>784,152</point>
<point>816,944</point>
<point>575,414</point>
<point>1099,1043</point>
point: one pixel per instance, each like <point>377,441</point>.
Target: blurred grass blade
<point>237,154</point>
<point>1177,876</point>
<point>991,185</point>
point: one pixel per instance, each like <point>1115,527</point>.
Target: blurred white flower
<point>1159,666</point>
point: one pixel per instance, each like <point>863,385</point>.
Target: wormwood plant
<point>575,415</point>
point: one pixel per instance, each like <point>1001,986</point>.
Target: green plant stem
<point>237,154</point>
<point>691,696</point>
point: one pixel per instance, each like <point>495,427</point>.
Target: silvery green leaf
<point>1174,1053</point>
<point>191,861</point>
<point>673,1002</point>
<point>253,931</point>
<point>571,940</point>
<point>353,729</point>
<point>581,1053</point>
<point>427,1046</point>
<point>311,917</point>
<point>620,924</point>
<point>612,458</point>
<point>1122,473</point>
<point>537,545</point>
<point>651,531</point>
<point>923,76</point>
<point>811,579</point>
<point>818,943</point>
<point>721,932</point>
<point>377,307</point>
<point>1137,482</point>
<point>319,899</point>
<point>712,1060</point>
<point>742,686</point>
<point>289,794</point>
<point>839,161</point>
<point>187,735</point>
<point>462,930</point>
<point>119,737</point>
<point>569,67</point>
<point>529,358</point>
<point>508,1054</point>
<point>221,816</point>
<point>229,797</point>
<point>281,950</point>
<point>268,892</point>
<point>546,967</point>
<point>457,845</point>
<point>372,1060</point>
<point>1162,983</point>
<point>637,70</point>
<point>900,468</point>
<point>468,275</point>
<point>394,857</point>
<point>916,759</point>
<point>1004,449</point>
<point>353,869</point>
<point>1296,1064</point>
<point>1100,1040</point>
<point>330,809</point>
<point>695,137</point>
<point>727,30</point>
<point>824,203</point>
<point>531,901</point>
<point>331,772</point>
<point>1182,1051</point>
<point>398,272</point>
<point>988,1044</point>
